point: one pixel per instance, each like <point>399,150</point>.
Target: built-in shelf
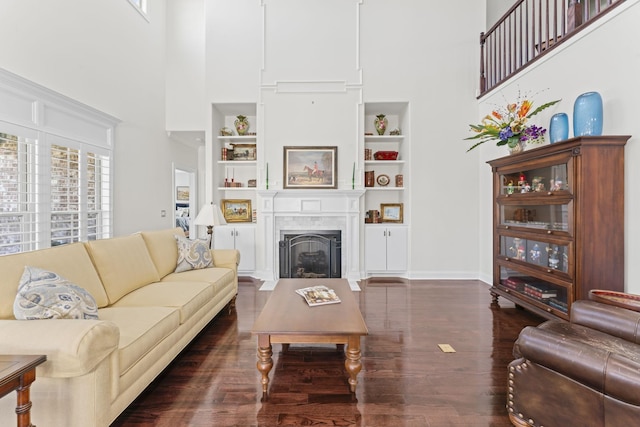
<point>237,138</point>
<point>384,162</point>
<point>383,138</point>
<point>237,162</point>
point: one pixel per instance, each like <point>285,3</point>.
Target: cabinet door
<point>241,238</point>
<point>375,250</point>
<point>246,244</point>
<point>224,237</point>
<point>397,248</point>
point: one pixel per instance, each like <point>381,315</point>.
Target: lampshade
<point>210,214</point>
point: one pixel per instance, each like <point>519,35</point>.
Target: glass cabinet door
<point>539,291</point>
<point>553,257</point>
<point>537,216</point>
<point>548,179</point>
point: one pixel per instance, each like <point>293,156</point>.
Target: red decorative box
<point>385,155</point>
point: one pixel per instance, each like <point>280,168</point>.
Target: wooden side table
<point>17,373</point>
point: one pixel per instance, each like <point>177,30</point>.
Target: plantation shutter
<point>53,190</point>
<point>21,180</point>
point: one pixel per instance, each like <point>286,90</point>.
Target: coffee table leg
<point>265,362</point>
<point>353,363</point>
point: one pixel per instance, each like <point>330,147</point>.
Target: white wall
<point>105,55</point>
<point>427,53</point>
<point>185,69</point>
<point>422,52</point>
<point>604,59</point>
<point>496,9</point>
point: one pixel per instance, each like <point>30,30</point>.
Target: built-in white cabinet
<point>386,248</point>
<point>241,237</point>
<point>387,176</point>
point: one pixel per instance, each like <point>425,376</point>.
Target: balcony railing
<point>529,30</point>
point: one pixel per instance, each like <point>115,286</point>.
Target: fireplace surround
<point>311,211</point>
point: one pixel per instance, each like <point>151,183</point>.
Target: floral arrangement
<point>509,126</point>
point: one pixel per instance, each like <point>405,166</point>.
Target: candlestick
<point>353,177</point>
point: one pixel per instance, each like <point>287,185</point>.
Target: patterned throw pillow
<point>193,254</point>
<point>45,295</point>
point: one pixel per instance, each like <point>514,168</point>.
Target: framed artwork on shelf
<point>391,212</point>
<point>182,193</point>
<point>236,210</point>
<point>310,167</point>
<point>244,152</point>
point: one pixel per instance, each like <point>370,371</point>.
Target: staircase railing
<point>529,30</point>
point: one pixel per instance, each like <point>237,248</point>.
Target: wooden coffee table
<point>287,319</point>
<point>17,373</point>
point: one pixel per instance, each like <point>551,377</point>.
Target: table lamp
<point>210,216</point>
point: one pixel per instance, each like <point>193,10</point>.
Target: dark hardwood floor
<point>406,379</point>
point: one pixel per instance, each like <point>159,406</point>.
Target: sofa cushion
<point>162,247</point>
<point>123,263</point>
<point>141,329</point>
<point>43,294</point>
<point>192,254</point>
<point>70,261</point>
<point>187,297</point>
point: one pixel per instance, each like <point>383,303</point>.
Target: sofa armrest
<point>228,258</point>
<point>607,318</point>
<point>73,347</point>
<point>605,363</point>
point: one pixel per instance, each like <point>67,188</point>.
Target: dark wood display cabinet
<point>558,223</point>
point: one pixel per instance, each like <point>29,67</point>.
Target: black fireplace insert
<point>310,254</point>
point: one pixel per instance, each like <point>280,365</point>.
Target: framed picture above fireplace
<point>310,167</point>
<point>391,212</point>
<point>236,210</point>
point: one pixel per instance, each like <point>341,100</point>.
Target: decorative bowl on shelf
<point>385,155</point>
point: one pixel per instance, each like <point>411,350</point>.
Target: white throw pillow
<point>45,295</point>
<point>193,254</point>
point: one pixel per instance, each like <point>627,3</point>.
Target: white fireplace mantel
<point>309,210</point>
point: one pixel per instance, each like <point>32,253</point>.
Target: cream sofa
<point>147,315</point>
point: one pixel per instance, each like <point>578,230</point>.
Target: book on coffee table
<point>318,295</point>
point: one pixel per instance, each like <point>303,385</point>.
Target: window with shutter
<point>55,168</point>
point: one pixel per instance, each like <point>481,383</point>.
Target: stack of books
<point>539,291</point>
<point>515,282</point>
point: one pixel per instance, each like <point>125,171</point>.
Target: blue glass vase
<point>587,115</point>
<point>559,127</point>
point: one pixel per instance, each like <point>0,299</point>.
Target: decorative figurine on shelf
<point>510,188</point>
<point>537,184</point>
<point>396,131</point>
<point>225,131</point>
<point>556,185</point>
<point>525,187</point>
<point>517,250</point>
<point>554,261</point>
<point>380,123</point>
<point>522,179</point>
<point>242,125</point>
<point>535,254</point>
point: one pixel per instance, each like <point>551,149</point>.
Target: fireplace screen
<point>310,254</point>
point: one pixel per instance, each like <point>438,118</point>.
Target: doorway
<point>184,198</point>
